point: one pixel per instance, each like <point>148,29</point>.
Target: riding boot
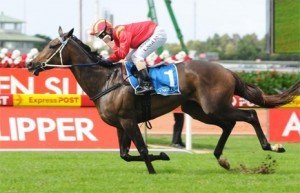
<point>145,84</point>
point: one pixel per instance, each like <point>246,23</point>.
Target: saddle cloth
<point>164,78</point>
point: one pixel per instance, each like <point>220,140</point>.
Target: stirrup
<point>141,91</point>
<point>145,88</point>
<point>145,84</point>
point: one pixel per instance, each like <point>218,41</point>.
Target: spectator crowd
<point>165,57</point>
<point>16,59</point>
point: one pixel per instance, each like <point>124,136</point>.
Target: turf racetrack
<point>105,172</point>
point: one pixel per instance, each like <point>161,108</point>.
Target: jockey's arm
<point>121,51</point>
<point>113,57</point>
<point>125,40</point>
<point>106,62</point>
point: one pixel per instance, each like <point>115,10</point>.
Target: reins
<point>146,102</point>
<point>45,64</point>
<point>113,87</point>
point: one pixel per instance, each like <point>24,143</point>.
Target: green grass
<point>106,172</point>
<point>287,26</point>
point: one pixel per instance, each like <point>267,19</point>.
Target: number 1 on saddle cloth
<point>164,78</point>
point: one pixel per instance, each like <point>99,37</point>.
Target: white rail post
<point>188,132</point>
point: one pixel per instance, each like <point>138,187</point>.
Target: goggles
<point>103,33</point>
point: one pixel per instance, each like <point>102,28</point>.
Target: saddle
<point>164,78</point>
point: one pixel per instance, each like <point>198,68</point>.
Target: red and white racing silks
<point>130,36</point>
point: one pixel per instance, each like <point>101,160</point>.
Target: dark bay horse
<point>206,95</point>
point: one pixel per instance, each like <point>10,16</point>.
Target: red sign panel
<point>6,100</point>
<point>55,81</point>
<point>240,102</point>
<point>60,128</point>
<point>284,124</point>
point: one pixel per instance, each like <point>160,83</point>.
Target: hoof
<point>224,163</point>
<point>278,148</point>
<point>164,156</point>
<point>281,150</point>
<point>126,157</point>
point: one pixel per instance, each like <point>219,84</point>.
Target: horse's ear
<point>70,33</point>
<point>60,31</point>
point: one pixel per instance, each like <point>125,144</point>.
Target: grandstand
<point>11,36</point>
<point>16,48</point>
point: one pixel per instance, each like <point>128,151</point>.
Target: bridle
<point>45,64</point>
<point>42,66</point>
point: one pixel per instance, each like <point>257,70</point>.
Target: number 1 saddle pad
<point>164,78</point>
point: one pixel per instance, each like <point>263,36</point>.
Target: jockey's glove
<point>106,62</point>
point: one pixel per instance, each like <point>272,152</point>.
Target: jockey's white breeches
<point>156,40</point>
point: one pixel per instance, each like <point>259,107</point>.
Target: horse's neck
<point>91,79</point>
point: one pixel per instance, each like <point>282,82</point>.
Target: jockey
<point>143,38</point>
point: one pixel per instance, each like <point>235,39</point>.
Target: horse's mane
<point>93,55</point>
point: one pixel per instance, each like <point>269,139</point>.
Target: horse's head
<point>53,55</point>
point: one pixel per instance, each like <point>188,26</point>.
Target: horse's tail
<point>255,95</point>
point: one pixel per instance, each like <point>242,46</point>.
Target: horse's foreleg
<point>124,144</point>
<point>161,156</point>
<point>132,130</point>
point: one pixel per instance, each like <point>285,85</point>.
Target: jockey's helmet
<point>100,26</point>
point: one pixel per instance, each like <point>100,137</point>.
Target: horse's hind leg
<point>124,144</point>
<point>194,109</point>
<point>227,128</point>
<point>250,116</point>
